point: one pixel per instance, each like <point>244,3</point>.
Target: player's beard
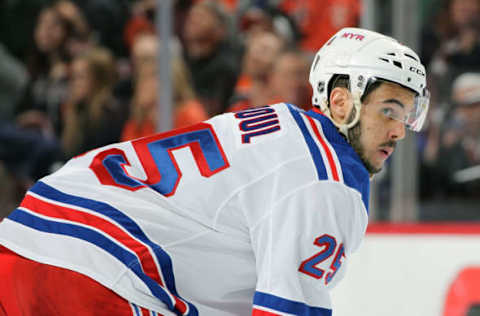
<point>354,135</point>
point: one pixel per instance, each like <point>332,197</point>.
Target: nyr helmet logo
<point>417,71</point>
<point>358,37</point>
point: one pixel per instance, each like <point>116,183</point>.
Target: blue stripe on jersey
<point>122,220</point>
<point>355,175</point>
<point>136,310</point>
<point>287,306</point>
<point>127,258</point>
<point>312,146</point>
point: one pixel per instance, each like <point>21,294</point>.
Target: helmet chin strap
<point>345,127</point>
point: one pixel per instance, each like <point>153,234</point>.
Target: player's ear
<point>341,104</point>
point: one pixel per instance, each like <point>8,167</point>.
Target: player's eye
<point>394,113</point>
<point>389,112</point>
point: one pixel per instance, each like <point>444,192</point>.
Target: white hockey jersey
<point>248,213</point>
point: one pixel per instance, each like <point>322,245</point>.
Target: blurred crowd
<point>449,147</point>
<point>76,75</point>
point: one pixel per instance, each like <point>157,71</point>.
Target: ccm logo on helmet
<point>358,37</point>
<point>417,71</point>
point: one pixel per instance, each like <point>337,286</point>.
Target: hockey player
<point>249,213</point>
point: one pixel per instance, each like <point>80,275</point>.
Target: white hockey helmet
<point>365,56</point>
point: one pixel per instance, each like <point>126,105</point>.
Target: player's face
<point>376,134</point>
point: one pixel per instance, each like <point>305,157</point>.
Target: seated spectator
<point>451,30</point>
<point>140,22</point>
<point>107,19</point>
<point>209,56</point>
<point>187,110</point>
<point>91,116</point>
<point>80,39</point>
<point>262,16</point>
<point>48,70</point>
<point>453,44</point>
<point>285,83</point>
<point>144,54</point>
<point>142,18</point>
<point>288,80</point>
<point>458,146</point>
<point>261,52</point>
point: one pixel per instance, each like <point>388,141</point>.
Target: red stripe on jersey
<point>180,305</point>
<point>144,312</point>
<point>447,228</point>
<point>259,312</point>
<point>331,162</point>
<point>147,261</point>
<point>56,211</point>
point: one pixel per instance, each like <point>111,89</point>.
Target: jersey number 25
<point>329,244</point>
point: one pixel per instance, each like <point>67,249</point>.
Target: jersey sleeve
<point>301,247</point>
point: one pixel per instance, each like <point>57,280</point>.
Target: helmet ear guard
<point>365,56</point>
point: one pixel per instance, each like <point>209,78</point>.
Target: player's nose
<point>396,131</point>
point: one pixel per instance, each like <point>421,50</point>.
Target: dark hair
<point>217,11</point>
<point>442,20</point>
<point>38,62</point>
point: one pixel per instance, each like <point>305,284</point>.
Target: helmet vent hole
<point>410,56</point>
<point>391,54</point>
<point>384,59</point>
<point>321,87</point>
<point>398,64</point>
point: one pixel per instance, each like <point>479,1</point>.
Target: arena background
<point>75,75</point>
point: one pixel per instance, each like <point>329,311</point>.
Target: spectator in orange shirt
<point>331,14</point>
